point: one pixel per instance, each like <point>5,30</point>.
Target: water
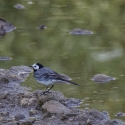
<point>80,57</point>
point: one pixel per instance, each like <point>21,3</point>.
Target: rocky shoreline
<point>19,106</point>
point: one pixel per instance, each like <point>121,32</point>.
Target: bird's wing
<point>47,73</point>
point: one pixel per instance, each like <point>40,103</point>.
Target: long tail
<point>70,82</point>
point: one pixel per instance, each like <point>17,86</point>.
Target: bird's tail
<point>70,82</point>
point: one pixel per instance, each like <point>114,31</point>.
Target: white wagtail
<point>48,77</point>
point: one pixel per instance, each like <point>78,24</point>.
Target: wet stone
<point>5,27</point>
<point>1,119</point>
<point>15,74</point>
<point>29,2</point>
<point>100,78</point>
<point>53,95</point>
<point>32,112</point>
<point>105,113</point>
<point>1,105</point>
<point>3,95</point>
<point>28,101</point>
<point>42,27</point>
<point>120,114</point>
<point>5,58</point>
<point>19,117</point>
<point>4,113</point>
<point>28,94</point>
<point>55,107</point>
<point>26,123</point>
<point>80,32</point>
<point>72,102</point>
<point>64,117</point>
<point>19,6</point>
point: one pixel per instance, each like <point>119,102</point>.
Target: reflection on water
<point>79,57</point>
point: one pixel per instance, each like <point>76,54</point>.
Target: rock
<point>55,107</point>
<point>20,70</point>
<point>26,123</point>
<point>30,2</point>
<point>32,112</point>
<point>28,95</point>
<point>64,117</point>
<point>42,27</point>
<point>52,95</point>
<point>1,119</point>
<point>19,117</point>
<point>100,78</point>
<point>19,6</point>
<point>5,58</point>
<point>5,27</point>
<point>80,32</point>
<point>24,101</point>
<point>119,114</point>
<point>29,122</point>
<point>72,102</point>
<point>13,123</point>
<point>3,95</point>
<point>1,105</point>
<point>3,80</point>
<point>28,101</point>
<point>114,122</point>
<point>4,113</point>
<point>15,74</point>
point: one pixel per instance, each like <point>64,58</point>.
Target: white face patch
<point>35,66</point>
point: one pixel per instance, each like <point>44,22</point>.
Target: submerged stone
<point>101,78</point>
<point>5,27</point>
<point>80,32</point>
<point>120,114</point>
<point>19,6</point>
<point>5,58</point>
<point>72,102</point>
<point>42,27</point>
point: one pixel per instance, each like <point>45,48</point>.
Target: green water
<point>80,57</point>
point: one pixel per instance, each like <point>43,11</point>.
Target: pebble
<point>78,31</point>
<point>101,78</point>
<point>19,117</point>
<point>42,27</point>
<point>32,112</point>
<point>19,6</point>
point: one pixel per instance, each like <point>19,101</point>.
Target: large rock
<point>55,107</point>
<point>52,95</point>
<point>15,74</point>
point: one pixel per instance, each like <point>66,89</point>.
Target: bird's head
<point>36,66</point>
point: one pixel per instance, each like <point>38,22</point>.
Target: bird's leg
<point>50,88</point>
<point>45,90</point>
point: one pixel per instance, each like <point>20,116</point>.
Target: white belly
<point>49,82</point>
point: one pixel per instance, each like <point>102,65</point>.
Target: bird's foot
<point>45,93</point>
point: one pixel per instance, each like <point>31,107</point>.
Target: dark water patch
<point>80,32</point>
<point>101,78</point>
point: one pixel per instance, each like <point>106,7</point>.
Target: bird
<point>47,76</point>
